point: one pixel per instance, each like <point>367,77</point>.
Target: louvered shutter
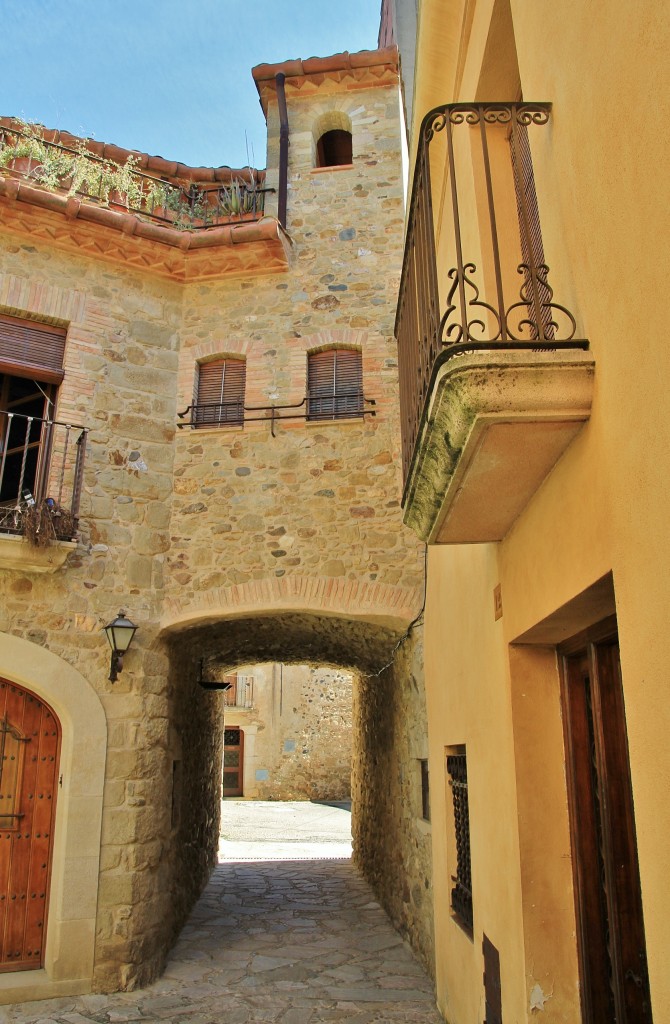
<point>334,384</point>
<point>220,393</point>
<point>32,350</point>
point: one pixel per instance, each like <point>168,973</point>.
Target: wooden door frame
<point>612,824</point>
<point>240,768</point>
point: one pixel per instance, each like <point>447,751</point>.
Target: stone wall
<point>120,381</point>
<point>173,517</point>
<point>319,497</point>
<point>392,841</point>
<point>298,734</point>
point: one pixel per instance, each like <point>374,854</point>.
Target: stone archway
<point>391,608</point>
<point>70,942</point>
<point>363,628</point>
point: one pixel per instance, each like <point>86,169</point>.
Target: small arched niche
<point>333,145</point>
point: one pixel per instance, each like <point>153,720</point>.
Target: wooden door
<point>233,761</point>
<point>29,752</point>
<point>611,940</point>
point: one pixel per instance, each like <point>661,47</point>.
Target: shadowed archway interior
<point>291,638</point>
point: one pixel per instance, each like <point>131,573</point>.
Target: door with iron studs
<point>29,753</point>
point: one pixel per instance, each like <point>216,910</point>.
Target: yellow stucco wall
<point>603,508</point>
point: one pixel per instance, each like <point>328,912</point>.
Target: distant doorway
<point>29,753</point>
<point>611,939</point>
<point>233,761</point>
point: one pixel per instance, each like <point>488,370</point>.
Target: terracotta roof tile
<point>320,65</point>
<point>155,165</point>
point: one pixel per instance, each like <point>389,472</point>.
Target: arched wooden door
<point>29,753</point>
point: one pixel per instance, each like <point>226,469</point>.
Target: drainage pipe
<point>283,148</point>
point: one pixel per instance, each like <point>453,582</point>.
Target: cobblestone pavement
<point>298,941</point>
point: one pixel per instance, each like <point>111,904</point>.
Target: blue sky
<point>166,77</point>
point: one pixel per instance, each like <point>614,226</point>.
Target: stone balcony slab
<point>17,554</point>
<point>496,424</point>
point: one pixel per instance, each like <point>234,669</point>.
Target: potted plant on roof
<point>156,200</point>
<point>125,185</point>
<point>23,148</point>
<point>89,177</point>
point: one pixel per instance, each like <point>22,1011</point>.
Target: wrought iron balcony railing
<point>241,692</point>
<point>473,230</point>
<point>41,472</point>
<point>320,408</point>
<point>25,153</point>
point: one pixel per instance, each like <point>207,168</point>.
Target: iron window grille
<point>461,893</point>
<point>425,790</point>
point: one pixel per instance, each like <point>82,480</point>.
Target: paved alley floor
<point>277,830</point>
<point>292,941</point>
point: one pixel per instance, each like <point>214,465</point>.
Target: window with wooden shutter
<point>30,349</point>
<point>334,384</point>
<point>219,398</point>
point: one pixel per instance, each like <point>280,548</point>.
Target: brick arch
<point>329,121</point>
<point>339,337</point>
<point>383,603</point>
<point>335,345</point>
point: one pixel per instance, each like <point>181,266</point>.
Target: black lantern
<point>120,634</point>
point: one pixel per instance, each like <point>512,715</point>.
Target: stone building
<point>536,455</point>
<point>288,733</point>
<point>200,395</point>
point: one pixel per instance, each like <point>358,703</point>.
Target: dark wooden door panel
<point>233,762</point>
<point>29,745</point>
<point>612,950</point>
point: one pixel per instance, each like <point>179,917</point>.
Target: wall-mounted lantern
<point>120,634</point>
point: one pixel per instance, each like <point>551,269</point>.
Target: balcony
<point>240,694</point>
<point>494,383</point>
<point>41,472</point>
<point>314,408</point>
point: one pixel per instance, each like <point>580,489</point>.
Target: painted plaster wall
<point>298,735</point>
<point>602,509</point>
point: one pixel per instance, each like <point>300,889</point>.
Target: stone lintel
<point>16,553</point>
<point>497,423</point>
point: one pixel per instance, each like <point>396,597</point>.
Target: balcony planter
<point>494,425</point>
